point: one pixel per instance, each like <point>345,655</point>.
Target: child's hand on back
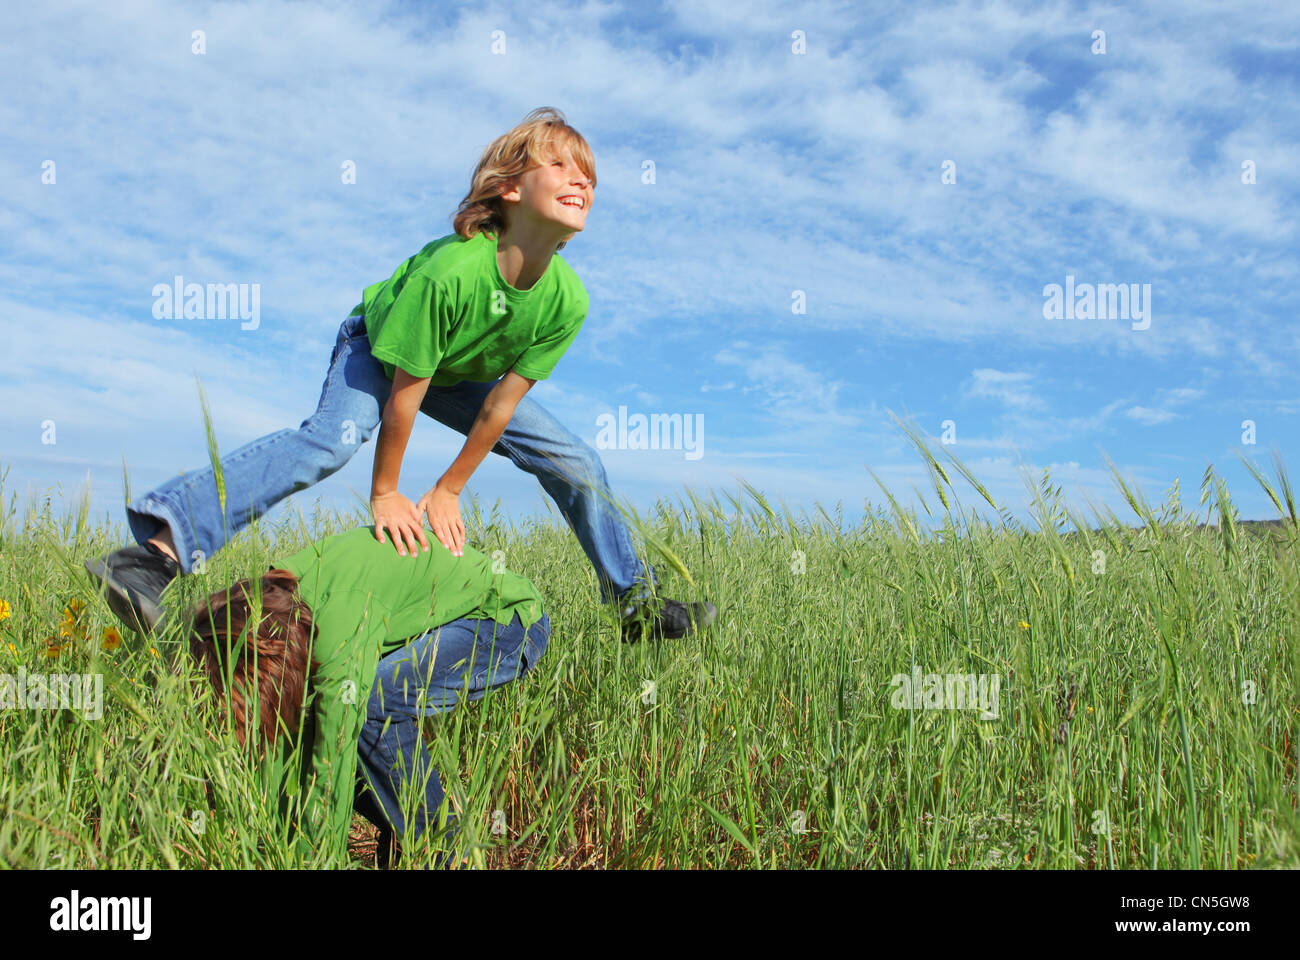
<point>443,508</point>
<point>400,517</point>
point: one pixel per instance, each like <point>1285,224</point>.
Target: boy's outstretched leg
<point>572,473</point>
<point>189,518</point>
<point>133,581</point>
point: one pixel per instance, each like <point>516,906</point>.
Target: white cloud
<point>1096,420</point>
<point>1012,389</point>
<point>1149,416</point>
<point>1179,395</point>
<point>792,392</point>
<point>1166,398</point>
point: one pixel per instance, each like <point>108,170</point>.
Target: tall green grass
<point>1147,716</point>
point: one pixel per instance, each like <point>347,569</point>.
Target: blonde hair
<point>508,156</point>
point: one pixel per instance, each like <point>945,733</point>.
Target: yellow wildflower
<point>52,648</point>
<point>70,627</point>
<point>153,651</point>
<point>112,639</point>
<point>1024,625</point>
<point>5,612</point>
<point>12,648</point>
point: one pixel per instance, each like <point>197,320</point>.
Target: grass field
<point>1146,714</point>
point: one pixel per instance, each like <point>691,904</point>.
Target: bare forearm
<point>390,448</point>
<point>487,429</point>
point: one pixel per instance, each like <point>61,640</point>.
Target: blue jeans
<point>461,660</point>
<point>264,472</point>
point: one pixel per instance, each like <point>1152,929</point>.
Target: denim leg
<point>391,752</point>
<point>264,472</point>
<point>570,472</point>
<point>460,660</point>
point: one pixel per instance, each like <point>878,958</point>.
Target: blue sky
<point>775,172</point>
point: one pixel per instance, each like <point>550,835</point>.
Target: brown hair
<point>272,649</point>
<point>508,156</point>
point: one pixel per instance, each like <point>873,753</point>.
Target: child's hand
<point>401,518</point>
<point>443,508</point>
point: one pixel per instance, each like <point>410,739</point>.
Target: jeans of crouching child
<point>462,660</point>
<point>262,473</point>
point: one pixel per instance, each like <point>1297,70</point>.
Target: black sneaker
<point>134,578</point>
<point>388,850</point>
<point>669,621</point>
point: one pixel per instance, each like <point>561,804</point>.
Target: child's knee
<point>581,467</point>
<point>338,438</point>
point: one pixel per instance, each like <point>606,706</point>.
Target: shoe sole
<point>710,614</point>
<point>136,612</point>
<point>635,631</point>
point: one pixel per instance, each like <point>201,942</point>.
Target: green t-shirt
<point>447,313</point>
<point>367,601</point>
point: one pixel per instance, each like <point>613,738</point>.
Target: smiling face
<point>555,195</point>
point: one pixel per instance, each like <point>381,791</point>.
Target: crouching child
<point>330,660</point>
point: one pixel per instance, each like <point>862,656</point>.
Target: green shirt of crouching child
<point>367,601</point>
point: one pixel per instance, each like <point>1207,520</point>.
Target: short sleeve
<point>539,360</point>
<point>413,334</point>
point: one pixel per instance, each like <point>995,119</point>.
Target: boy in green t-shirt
<point>460,332</point>
<point>337,653</point>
